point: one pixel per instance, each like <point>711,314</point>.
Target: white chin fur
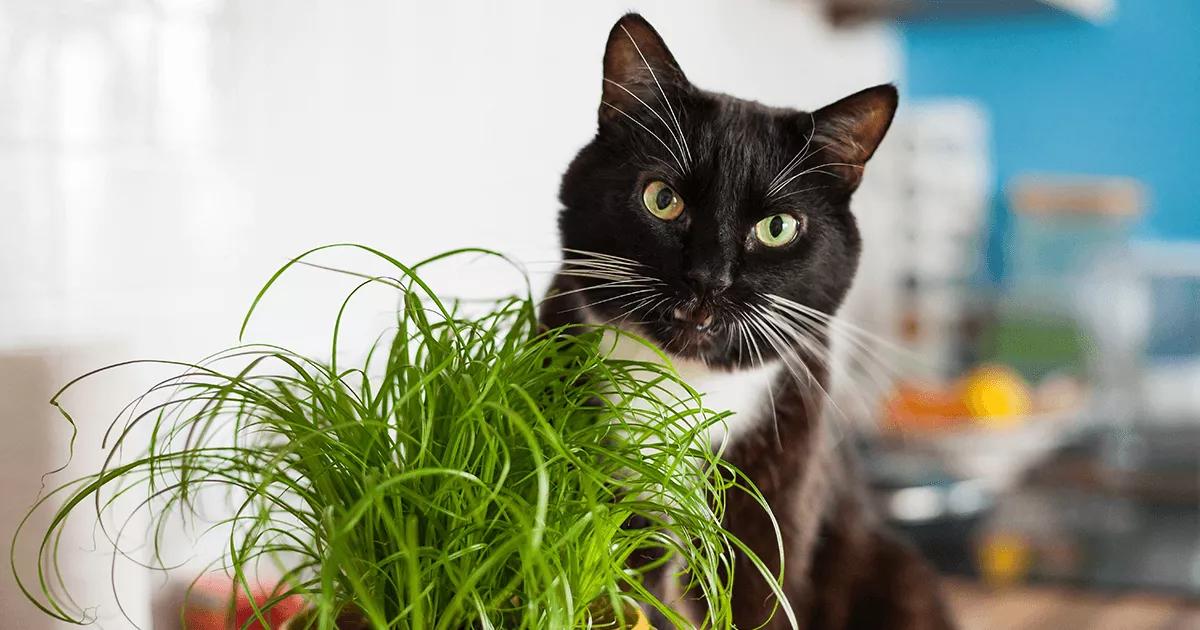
<point>744,392</point>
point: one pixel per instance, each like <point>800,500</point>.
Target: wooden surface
<point>1040,608</point>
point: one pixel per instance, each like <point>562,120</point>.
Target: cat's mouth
<point>694,332</point>
<point>697,328</point>
<point>697,319</point>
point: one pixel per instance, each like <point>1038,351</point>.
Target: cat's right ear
<point>639,69</point>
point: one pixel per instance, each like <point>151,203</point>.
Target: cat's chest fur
<point>746,393</point>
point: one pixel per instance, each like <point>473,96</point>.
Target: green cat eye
<point>662,201</point>
<point>777,230</point>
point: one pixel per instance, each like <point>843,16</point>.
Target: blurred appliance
<point>936,509</point>
<point>1170,386</point>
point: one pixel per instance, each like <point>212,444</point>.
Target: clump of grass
<point>471,472</point>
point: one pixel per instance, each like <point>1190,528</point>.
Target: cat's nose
<point>706,281</point>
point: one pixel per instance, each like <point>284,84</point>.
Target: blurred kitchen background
<point>1027,379</point>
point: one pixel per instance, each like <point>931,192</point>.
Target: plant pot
<point>352,621</point>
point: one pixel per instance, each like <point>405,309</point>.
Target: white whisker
<point>670,110</point>
<point>607,285</point>
<point>633,308</point>
<point>841,323</point>
<point>609,257</point>
<point>797,192</point>
<point>656,136</point>
<point>801,155</point>
<point>771,330</point>
<point>606,300</point>
<point>617,285</point>
<point>879,373</point>
<point>857,350</point>
<point>652,111</point>
<point>601,272</point>
<point>807,171</point>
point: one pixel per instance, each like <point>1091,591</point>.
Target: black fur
<point>706,268</point>
<point>708,256</point>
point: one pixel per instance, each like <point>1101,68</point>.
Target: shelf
<point>853,11</point>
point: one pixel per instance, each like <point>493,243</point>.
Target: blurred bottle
<point>1074,302</point>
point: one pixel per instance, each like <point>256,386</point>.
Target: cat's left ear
<point>851,129</point>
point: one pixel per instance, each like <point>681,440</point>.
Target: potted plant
<point>473,471</point>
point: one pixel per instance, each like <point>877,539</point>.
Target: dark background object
<point>844,12</point>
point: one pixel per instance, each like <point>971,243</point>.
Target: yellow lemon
<point>997,394</point>
<point>1004,559</point>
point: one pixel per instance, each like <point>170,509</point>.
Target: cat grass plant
<point>473,471</point>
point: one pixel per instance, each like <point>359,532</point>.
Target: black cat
<point>720,229</point>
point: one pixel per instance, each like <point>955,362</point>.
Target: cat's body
<point>844,570</point>
<point>720,230</point>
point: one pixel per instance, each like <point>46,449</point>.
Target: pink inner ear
<point>853,127</point>
<point>840,139</point>
<point>853,138</point>
<point>843,156</point>
<point>622,63</point>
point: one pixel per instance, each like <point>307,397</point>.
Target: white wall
<point>158,160</point>
<point>159,165</point>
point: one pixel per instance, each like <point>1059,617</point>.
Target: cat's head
<point>707,222</point>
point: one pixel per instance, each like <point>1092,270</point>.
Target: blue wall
<point>1121,98</point>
